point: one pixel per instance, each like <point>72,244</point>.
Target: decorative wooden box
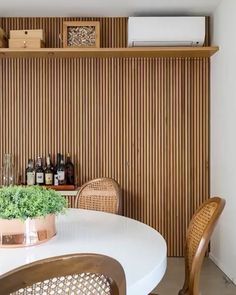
<point>26,43</point>
<point>83,34</point>
<point>27,39</point>
<point>27,34</point>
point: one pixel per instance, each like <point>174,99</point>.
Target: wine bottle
<point>61,171</point>
<point>30,173</point>
<point>70,171</point>
<point>39,172</point>
<point>56,167</point>
<point>52,166</point>
<point>48,172</point>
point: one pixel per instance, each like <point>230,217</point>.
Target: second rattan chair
<point>84,274</point>
<point>102,194</point>
<point>198,237</point>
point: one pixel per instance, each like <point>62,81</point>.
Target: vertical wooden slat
<point>142,121</point>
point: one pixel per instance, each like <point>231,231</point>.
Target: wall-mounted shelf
<point>111,52</point>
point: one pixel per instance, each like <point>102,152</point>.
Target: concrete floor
<point>213,280</point>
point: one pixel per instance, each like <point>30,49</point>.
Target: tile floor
<point>213,280</point>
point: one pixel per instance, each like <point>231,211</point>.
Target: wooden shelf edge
<point>61,187</point>
<point>149,52</point>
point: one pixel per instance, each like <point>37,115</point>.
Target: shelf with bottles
<point>60,176</point>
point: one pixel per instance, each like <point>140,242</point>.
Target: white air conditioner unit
<point>166,31</point>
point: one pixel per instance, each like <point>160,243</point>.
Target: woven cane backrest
<point>199,224</point>
<point>83,284</point>
<point>198,237</point>
<point>80,277</point>
<point>101,194</point>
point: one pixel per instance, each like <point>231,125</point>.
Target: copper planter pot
<point>18,233</point>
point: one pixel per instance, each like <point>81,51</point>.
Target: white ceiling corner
<point>106,7</point>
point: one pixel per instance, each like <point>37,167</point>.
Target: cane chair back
<point>83,274</point>
<point>198,238</point>
<point>102,194</point>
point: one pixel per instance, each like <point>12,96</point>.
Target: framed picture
<point>83,34</point>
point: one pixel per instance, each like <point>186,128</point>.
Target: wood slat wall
<point>142,121</point>
<point>71,201</point>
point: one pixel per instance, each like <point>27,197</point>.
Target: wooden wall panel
<point>142,121</point>
<point>71,201</point>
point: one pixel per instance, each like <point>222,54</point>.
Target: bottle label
<point>39,177</point>
<point>30,178</point>
<point>61,175</point>
<point>48,178</point>
<point>56,179</point>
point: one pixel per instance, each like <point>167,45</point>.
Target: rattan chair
<point>198,238</point>
<point>102,194</point>
<point>83,274</point>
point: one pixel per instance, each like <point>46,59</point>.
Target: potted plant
<point>27,215</point>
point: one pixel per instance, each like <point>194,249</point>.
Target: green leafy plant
<point>24,202</point>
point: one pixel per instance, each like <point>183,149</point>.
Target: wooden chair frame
<point>116,186</point>
<point>60,266</point>
<point>192,276</point>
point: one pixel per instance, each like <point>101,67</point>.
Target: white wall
<point>105,7</point>
<point>223,135</point>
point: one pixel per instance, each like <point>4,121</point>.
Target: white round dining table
<point>140,249</point>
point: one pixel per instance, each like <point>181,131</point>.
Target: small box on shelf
<point>26,43</point>
<point>31,39</point>
<point>27,34</point>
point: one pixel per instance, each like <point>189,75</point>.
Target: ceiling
<point>105,7</point>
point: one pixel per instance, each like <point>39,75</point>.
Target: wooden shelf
<point>111,52</point>
<point>62,187</point>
